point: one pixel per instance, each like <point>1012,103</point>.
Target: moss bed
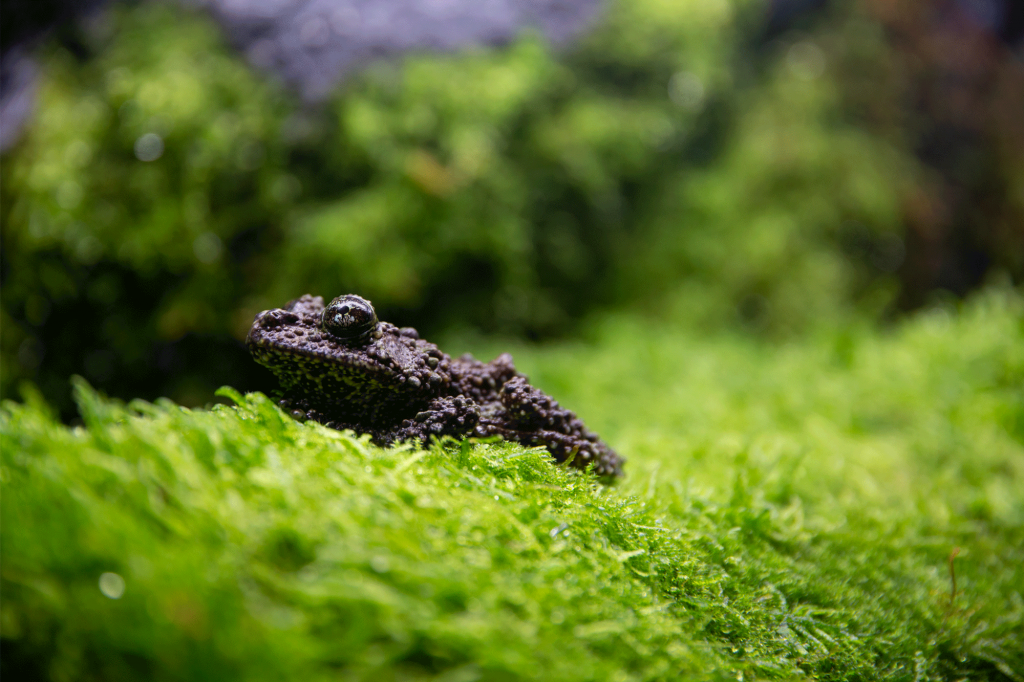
<point>791,510</point>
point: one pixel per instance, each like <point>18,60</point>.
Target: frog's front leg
<point>534,418</point>
<point>447,416</point>
<point>300,409</point>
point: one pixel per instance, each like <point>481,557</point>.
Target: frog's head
<point>340,357</point>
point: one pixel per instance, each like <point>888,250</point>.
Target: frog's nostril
<point>269,319</point>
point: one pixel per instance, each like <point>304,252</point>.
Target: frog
<point>339,366</point>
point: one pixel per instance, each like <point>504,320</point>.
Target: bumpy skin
<point>395,386</point>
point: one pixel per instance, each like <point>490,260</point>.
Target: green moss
<point>790,511</point>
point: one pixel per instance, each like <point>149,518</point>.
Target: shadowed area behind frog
<point>340,366</point>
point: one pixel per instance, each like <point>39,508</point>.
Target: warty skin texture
<point>389,383</point>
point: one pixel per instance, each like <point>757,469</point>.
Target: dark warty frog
<point>338,365</point>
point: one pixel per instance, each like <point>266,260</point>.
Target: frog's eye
<point>349,319</point>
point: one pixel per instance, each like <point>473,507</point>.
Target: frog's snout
<point>271,319</point>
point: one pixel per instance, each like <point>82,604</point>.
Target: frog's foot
<point>300,410</point>
<point>454,416</point>
<point>534,418</point>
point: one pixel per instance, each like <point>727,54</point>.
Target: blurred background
<point>508,168</point>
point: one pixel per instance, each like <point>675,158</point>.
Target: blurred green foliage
<point>165,193</point>
<point>788,512</point>
<point>704,222</point>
